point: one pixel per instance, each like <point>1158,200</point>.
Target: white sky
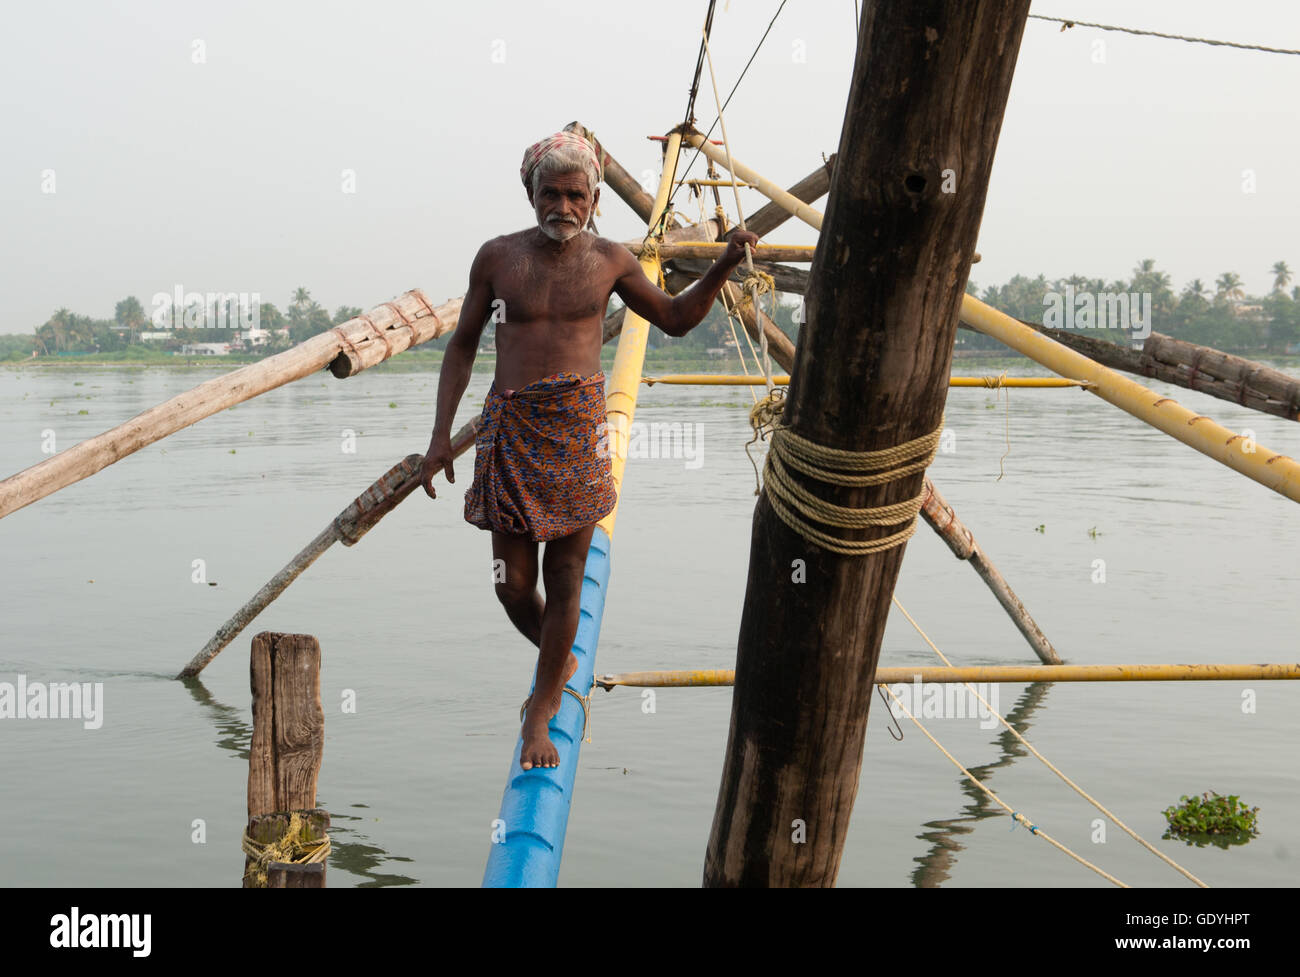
<point>226,175</point>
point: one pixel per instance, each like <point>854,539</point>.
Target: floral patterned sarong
<point>541,468</point>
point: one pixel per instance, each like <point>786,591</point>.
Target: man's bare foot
<point>537,749</point>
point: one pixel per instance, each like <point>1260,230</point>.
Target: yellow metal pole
<point>992,673</point>
<point>1241,454</point>
<point>766,187</point>
<point>625,375</point>
<point>729,379</point>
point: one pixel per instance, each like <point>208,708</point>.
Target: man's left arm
<point>677,315</point>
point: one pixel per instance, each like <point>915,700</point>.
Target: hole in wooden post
<point>914,182</point>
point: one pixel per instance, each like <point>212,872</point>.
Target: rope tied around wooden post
<point>798,508</point>
<point>293,848</point>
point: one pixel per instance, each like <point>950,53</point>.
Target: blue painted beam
<point>535,808</point>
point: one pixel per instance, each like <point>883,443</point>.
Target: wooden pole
<point>348,527</point>
<point>1203,368</point>
<point>1276,471</point>
<point>346,350</point>
<point>1011,674</point>
<point>812,187</point>
<point>930,84</point>
<point>711,252</point>
<point>284,756</point>
<point>759,182</point>
<point>939,515</point>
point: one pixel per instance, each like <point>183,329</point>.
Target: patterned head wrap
<point>564,138</point>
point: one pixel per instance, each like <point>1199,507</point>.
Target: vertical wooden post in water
<point>930,84</point>
<point>285,755</point>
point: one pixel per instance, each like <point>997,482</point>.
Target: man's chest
<point>530,291</point>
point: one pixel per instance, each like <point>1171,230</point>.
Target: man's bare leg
<point>517,591</point>
<point>562,568</point>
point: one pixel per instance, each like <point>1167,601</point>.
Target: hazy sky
<point>227,174</point>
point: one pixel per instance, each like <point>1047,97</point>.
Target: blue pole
<point>529,836</point>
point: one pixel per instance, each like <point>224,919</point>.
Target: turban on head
<point>564,138</point>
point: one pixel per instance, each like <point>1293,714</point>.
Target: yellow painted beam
<point>1276,471</point>
<point>991,673</point>
<point>723,379</point>
<point>778,195</point>
<point>623,382</point>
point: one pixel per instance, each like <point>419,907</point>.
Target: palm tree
<point>1281,276</point>
<point>129,313</point>
<point>1228,287</point>
<point>59,324</point>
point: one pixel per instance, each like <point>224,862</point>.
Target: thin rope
<point>699,66</point>
<point>752,281</point>
<point>1083,793</point>
<point>752,56</point>
<point>1000,390</point>
<point>1068,23</point>
<point>1015,815</point>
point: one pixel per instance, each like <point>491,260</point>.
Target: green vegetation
<point>1223,317</point>
<point>1211,818</point>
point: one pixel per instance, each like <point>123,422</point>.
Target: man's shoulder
<point>612,251</point>
<point>504,242</point>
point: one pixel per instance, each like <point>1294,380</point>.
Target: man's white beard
<point>559,230</point>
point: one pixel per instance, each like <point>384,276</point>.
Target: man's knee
<point>515,591</point>
<point>563,575</point>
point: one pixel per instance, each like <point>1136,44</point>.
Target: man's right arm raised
<point>457,363</point>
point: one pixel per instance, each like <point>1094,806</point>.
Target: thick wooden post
<point>285,754</point>
<point>930,85</point>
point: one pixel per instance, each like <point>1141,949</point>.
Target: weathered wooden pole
<point>1203,368</point>
<point>930,84</point>
<point>362,515</point>
<point>345,350</point>
<point>940,517</point>
<point>283,763</point>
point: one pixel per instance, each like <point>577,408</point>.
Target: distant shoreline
<point>656,361</point>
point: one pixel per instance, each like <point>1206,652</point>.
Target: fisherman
<point>540,472</point>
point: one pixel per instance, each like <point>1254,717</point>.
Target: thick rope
<point>292,848</point>
<point>1015,815</point>
<point>1082,793</point>
<point>797,507</point>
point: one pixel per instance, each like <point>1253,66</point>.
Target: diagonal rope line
<point>1015,815</point>
<point>752,56</point>
<point>1083,793</point>
<point>1067,23</point>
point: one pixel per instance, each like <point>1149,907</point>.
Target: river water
<point>101,585</point>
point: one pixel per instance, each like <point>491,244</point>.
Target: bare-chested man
<point>538,473</point>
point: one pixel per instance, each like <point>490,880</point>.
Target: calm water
<point>1201,566</point>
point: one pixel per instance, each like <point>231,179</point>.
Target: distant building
<point>251,338</point>
<point>155,335</point>
<point>205,349</point>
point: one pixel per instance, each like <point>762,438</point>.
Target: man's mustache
<point>557,219</point>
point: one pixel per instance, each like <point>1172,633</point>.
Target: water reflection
<point>358,856</point>
<point>943,836</point>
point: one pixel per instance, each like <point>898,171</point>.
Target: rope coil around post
<point>797,507</point>
<point>293,848</point>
